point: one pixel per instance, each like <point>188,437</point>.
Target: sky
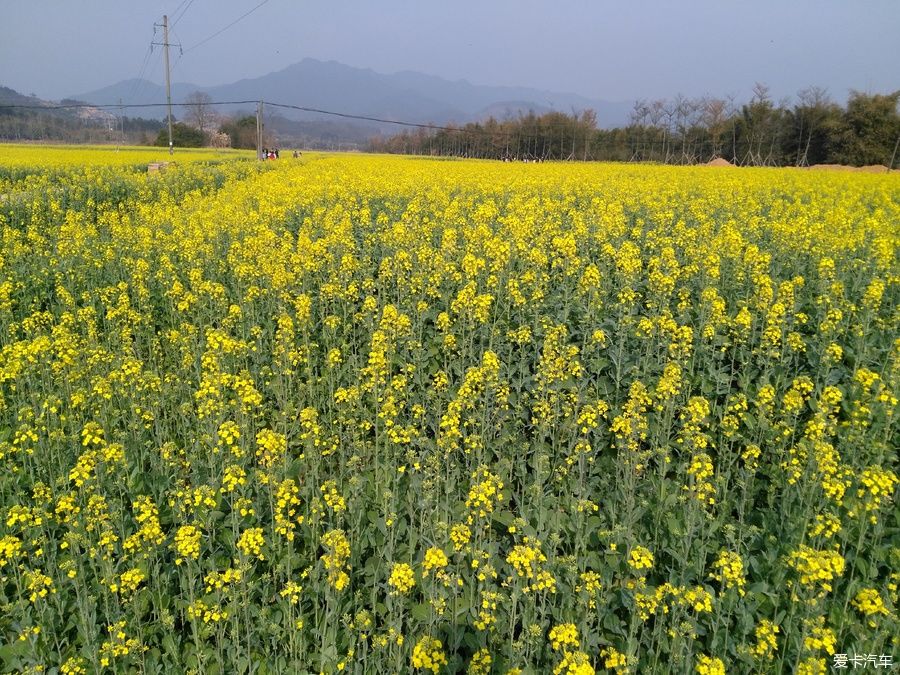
<point>601,49</point>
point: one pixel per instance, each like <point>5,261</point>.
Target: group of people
<point>273,154</point>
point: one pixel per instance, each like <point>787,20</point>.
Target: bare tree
<point>689,116</point>
<point>669,111</point>
<point>588,123</point>
<point>199,112</point>
<point>637,119</point>
<point>810,112</point>
<point>681,110</point>
<point>656,114</point>
<point>757,117</point>
<point>715,117</point>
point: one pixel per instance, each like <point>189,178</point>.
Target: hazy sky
<point>601,49</point>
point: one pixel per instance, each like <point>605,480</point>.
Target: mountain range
<point>332,86</point>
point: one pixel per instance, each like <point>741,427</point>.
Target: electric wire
<point>143,81</point>
<point>180,5</point>
<point>222,30</point>
<point>320,111</point>
<point>332,113</point>
<point>176,19</point>
<point>137,80</point>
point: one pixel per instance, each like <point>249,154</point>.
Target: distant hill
<point>40,106</point>
<point>138,92</point>
<point>12,97</point>
<point>329,85</point>
<point>33,119</point>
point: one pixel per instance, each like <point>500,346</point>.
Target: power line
<point>222,30</point>
<point>176,19</point>
<point>180,49</point>
<point>469,130</point>
<point>366,118</point>
<point>180,5</point>
<point>320,111</point>
<point>70,106</point>
<point>418,125</point>
<point>139,84</point>
<point>137,81</point>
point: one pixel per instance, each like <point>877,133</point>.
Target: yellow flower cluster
<point>699,487</point>
<point>435,560</point>
<point>217,581</point>
<point>480,663</point>
<point>286,512</point>
<point>129,581</point>
<point>869,602</point>
<point>564,635</point>
<point>332,497</point>
<point>640,558</point>
<point>270,447</point>
<point>484,493</point>
<point>233,477</point>
<point>74,665</point>
<point>487,610</point>
<point>10,548</point>
<point>819,637</point>
<point>728,570</point>
<point>709,665</point>
<point>118,645</point>
<point>527,560</point>
<point>335,559</point>
<point>187,543</point>
<point>876,488</point>
<point>428,654</point>
<point>811,665</point>
<point>402,579</point>
<point>39,585</point>
<point>200,610</point>
<point>816,568</point>
<point>251,543</point>
<point>766,634</point>
<point>460,535</point>
<point>291,591</point>
<point>615,660</point>
<point>574,663</point>
<point>150,531</point>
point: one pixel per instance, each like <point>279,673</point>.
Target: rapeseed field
<point>366,414</point>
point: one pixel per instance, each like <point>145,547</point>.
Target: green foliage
<point>183,136</point>
<point>868,130</point>
<point>241,131</point>
<point>683,131</point>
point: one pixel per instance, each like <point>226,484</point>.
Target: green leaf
<point>421,612</point>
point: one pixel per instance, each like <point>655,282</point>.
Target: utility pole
<point>168,86</point>
<point>121,125</point>
<point>259,129</point>
<point>894,156</point>
<point>165,45</point>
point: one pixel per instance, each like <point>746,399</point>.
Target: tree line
<point>811,130</point>
<point>19,125</point>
